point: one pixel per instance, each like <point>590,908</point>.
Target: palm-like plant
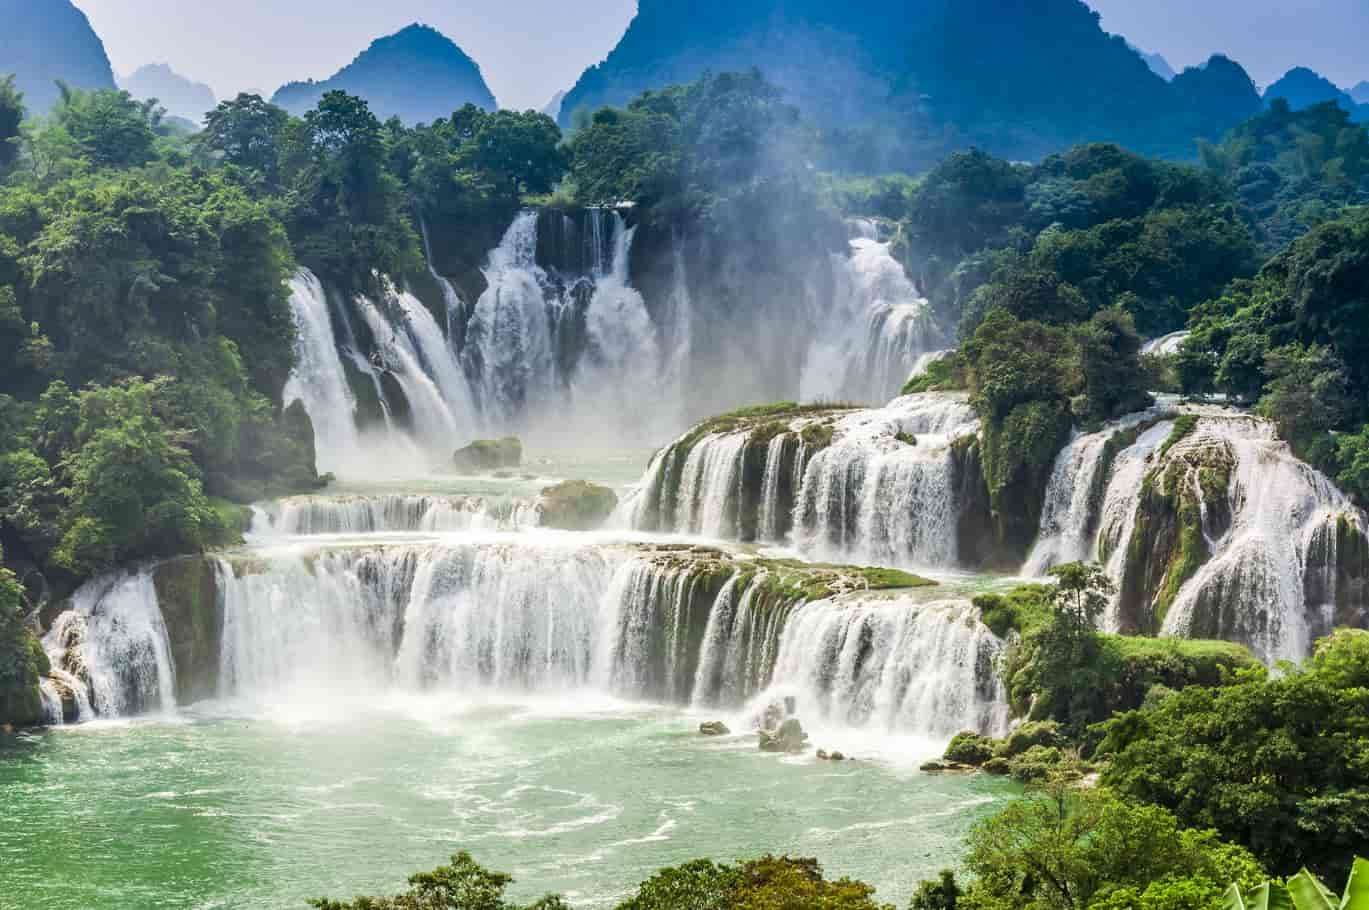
<point>1304,892</point>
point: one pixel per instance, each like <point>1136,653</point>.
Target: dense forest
<point>147,339</point>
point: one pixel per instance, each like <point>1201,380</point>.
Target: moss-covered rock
<point>485,455</point>
<point>970,748</point>
<point>187,592</point>
<point>22,660</point>
<point>1184,504</point>
<point>576,505</point>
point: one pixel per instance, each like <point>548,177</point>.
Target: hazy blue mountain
<point>182,97</point>
<point>1017,81</point>
<point>1361,92</point>
<point>43,41</point>
<point>1302,88</point>
<point>1157,63</point>
<point>417,74</point>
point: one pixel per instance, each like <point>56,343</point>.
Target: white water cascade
<point>318,379</point>
<point>883,492</point>
<point>896,665</point>
<point>1083,507</point>
<point>112,648</point>
<point>877,329</point>
<point>1254,588</point>
<point>396,512</point>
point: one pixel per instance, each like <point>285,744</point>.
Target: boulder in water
<point>940,766</point>
<point>576,505</point>
<point>490,455</point>
<point>788,738</point>
<point>714,728</point>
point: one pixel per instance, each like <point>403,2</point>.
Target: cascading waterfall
<point>883,492</point>
<point>1073,508</point>
<point>306,515</point>
<point>318,379</point>
<point>897,665</point>
<point>1165,345</point>
<point>1255,589</point>
<point>621,365</point>
<point>112,648</point>
<point>878,328</point>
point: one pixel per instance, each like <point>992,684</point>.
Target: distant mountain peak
<point>50,40</point>
<point>1303,87</point>
<point>417,74</point>
<point>1361,92</point>
<point>181,96</point>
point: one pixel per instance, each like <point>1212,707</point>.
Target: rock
<point>576,505</point>
<point>714,728</point>
<point>837,756</point>
<point>490,455</point>
<point>822,755</point>
<point>937,767</point>
<point>788,738</point>
<point>997,766</point>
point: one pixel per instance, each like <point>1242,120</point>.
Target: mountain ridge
<point>417,74</point>
<point>47,41</point>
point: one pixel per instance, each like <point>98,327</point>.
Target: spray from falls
<point>877,330</point>
<point>111,649</point>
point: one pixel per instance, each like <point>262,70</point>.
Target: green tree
<point>11,116</point>
<point>110,128</point>
<point>247,132</point>
<point>1112,379</point>
<point>1273,763</point>
<point>22,661</point>
<point>463,885</point>
<point>1068,848</point>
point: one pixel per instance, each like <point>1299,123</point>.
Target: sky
<point>531,49</point>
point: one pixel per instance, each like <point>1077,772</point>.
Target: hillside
<point>1302,88</point>
<point>951,75</point>
<point>180,96</point>
<point>49,40</point>
<point>417,74</point>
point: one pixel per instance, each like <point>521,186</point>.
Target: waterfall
<point>112,647</point>
<point>884,492</point>
<point>710,486</point>
<point>1073,508</point>
<point>434,422</point>
<point>878,328</point>
<point>620,367</point>
<point>453,304</point>
<point>511,337</point>
<point>318,379</point>
<point>1254,588</point>
<point>894,664</point>
<point>1165,345</point>
<point>306,515</point>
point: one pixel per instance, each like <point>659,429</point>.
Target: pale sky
<point>530,49</point>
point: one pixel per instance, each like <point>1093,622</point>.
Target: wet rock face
<point>486,455</point>
<point>576,505</point>
<point>188,595</point>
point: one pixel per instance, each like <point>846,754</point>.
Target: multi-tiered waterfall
<point>534,614</point>
<point>874,486</point>
<point>1210,527</point>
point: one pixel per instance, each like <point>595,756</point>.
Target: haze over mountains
<point>950,75</point>
<point>182,97</point>
<point>417,74</point>
<point>954,72</point>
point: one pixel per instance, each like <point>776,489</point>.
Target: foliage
<point>22,660</point>
<point>463,885</point>
<point>11,115</point>
<point>1293,170</point>
<point>769,883</point>
<point>109,128</point>
<point>1294,340</point>
<point>1275,763</point>
<point>1305,891</point>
